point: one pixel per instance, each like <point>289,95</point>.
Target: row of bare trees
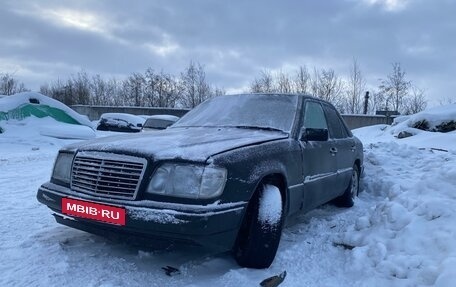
<point>150,89</point>
<point>159,89</point>
<point>394,92</point>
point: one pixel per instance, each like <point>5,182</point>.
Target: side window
<point>337,129</point>
<point>314,116</point>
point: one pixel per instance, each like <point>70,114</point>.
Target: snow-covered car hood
<point>195,144</point>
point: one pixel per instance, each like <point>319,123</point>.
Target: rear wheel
<point>348,198</point>
<point>259,236</point>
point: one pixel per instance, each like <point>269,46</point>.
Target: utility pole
<point>366,102</point>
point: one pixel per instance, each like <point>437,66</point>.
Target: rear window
<point>337,129</point>
<point>157,124</point>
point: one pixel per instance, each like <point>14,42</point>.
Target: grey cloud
<point>236,39</point>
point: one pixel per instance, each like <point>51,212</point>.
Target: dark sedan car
<point>120,122</point>
<point>228,175</point>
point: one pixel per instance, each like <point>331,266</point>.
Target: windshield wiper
<point>258,128</point>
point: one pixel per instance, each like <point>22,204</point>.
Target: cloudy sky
<point>234,40</point>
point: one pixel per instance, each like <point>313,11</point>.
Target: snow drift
<point>420,130</point>
<point>32,111</point>
<point>437,119</point>
<point>22,105</point>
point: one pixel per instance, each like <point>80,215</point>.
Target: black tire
<point>348,198</point>
<point>257,243</point>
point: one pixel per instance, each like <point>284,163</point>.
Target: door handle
<point>333,150</point>
<point>353,148</point>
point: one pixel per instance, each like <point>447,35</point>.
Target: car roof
<point>300,95</point>
<point>163,117</point>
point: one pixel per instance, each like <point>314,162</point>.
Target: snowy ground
<point>401,231</point>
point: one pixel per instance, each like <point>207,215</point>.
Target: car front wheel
<point>259,236</point>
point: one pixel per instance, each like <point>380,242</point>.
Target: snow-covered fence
<point>94,113</point>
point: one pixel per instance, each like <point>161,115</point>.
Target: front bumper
<point>214,226</point>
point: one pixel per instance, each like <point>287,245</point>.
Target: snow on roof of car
<point>9,103</point>
<point>164,117</point>
<point>124,117</point>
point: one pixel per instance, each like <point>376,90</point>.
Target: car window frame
<point>303,112</point>
<point>347,133</point>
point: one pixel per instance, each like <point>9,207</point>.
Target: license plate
<point>100,212</point>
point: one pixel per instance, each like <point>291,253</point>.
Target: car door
<point>319,161</point>
<point>344,145</point>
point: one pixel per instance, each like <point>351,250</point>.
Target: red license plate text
<point>100,212</point>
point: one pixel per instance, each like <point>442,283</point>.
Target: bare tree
<point>61,91</point>
<point>328,86</point>
<point>284,84</point>
<point>355,89</point>
<point>416,102</point>
<point>114,93</point>
<point>394,89</point>
<point>76,90</point>
<point>301,82</point>
<point>81,88</point>
<point>263,84</point>
<point>161,89</point>
<point>7,85</point>
<point>255,86</point>
<point>151,82</point>
<point>45,89</point>
<point>169,90</point>
<point>195,89</point>
<point>10,86</point>
<point>98,88</point>
<point>134,89</point>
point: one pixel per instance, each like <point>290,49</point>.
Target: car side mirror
<point>309,134</point>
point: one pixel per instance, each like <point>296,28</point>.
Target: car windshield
<point>274,112</point>
<point>157,124</point>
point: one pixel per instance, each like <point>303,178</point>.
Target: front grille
<point>107,175</point>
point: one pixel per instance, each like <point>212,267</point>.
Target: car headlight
<point>62,167</point>
<point>187,180</point>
